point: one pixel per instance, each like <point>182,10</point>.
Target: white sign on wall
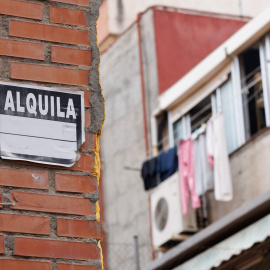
<point>40,124</point>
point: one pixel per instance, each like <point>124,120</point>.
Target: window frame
<point>235,76</point>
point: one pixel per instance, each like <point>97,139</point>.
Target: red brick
<point>21,9</point>
<point>67,16</point>
<point>84,164</point>
<point>62,266</point>
<point>21,49</point>
<point>34,247</point>
<point>87,95</point>
<point>87,119</point>
<point>52,203</point>
<point>42,73</point>
<point>71,56</point>
<point>75,183</point>
<point>23,265</point>
<point>23,178</point>
<point>78,228</point>
<point>90,142</point>
<point>2,244</point>
<point>48,32</point>
<point>74,2</point>
<point>24,224</point>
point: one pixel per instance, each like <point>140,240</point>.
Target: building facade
<point>234,81</point>
<point>136,73</point>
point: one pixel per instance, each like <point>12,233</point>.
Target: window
<point>193,120</point>
<point>225,93</point>
<point>162,131</point>
<point>200,113</point>
<point>221,99</point>
<point>244,98</point>
<point>181,129</point>
<point>252,91</point>
<point>178,130</point>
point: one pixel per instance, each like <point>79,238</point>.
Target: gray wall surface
<point>250,174</point>
<point>123,144</point>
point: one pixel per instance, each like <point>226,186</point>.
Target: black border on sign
<point>80,134</point>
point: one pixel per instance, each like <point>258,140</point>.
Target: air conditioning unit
<point>168,222</point>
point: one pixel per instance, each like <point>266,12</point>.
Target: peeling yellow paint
<point>97,164</point>
<point>97,212</point>
<point>101,254</point>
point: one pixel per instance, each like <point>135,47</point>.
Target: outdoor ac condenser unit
<point>168,222</point>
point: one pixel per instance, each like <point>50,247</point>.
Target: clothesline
<point>205,108</point>
<point>254,71</point>
<point>244,103</point>
<point>203,121</point>
<point>202,161</point>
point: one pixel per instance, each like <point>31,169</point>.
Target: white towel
<point>222,172</point>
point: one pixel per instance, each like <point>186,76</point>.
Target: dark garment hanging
<point>167,164</point>
<point>202,214</point>
<point>148,173</point>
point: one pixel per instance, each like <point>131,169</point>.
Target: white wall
<point>122,13</point>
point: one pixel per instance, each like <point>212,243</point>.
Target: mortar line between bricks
<point>28,60</point>
<point>66,5</point>
<point>41,259</point>
<point>58,44</point>
<point>41,83</point>
<point>46,192</point>
<point>48,237</point>
<point>54,85</point>
<point>41,192</point>
<point>51,64</point>
<point>60,4</point>
<point>40,22</point>
<point>50,215</point>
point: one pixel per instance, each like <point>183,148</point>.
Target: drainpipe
<point>136,252</point>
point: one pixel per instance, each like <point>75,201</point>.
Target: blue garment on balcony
<point>167,164</point>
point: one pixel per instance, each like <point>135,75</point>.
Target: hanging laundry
<point>187,180</point>
<point>222,173</point>
<point>148,173</point>
<point>209,142</point>
<point>167,164</point>
<point>204,176</point>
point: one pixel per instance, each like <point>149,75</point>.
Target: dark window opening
<point>200,113</point>
<point>162,132</point>
<point>252,92</point>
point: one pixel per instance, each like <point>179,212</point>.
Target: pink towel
<point>187,180</point>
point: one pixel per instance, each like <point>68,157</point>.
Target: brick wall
<point>54,220</point>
